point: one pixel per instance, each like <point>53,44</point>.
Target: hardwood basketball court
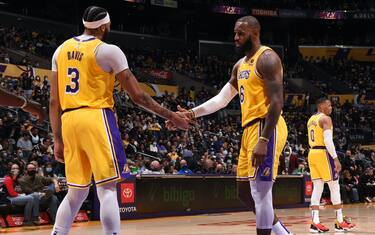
<point>241,223</point>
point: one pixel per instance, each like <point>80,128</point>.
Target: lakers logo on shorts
<point>266,171</point>
<point>126,169</point>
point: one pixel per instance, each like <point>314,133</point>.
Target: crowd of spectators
<point>334,76</point>
<point>356,75</point>
<point>34,42</point>
<point>213,70</point>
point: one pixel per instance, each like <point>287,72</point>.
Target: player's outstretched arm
<point>9,99</point>
<point>141,98</point>
<point>55,118</point>
<point>270,68</point>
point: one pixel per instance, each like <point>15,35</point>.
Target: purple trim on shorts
<point>265,171</point>
<point>332,168</point>
<point>79,186</point>
<point>117,142</point>
<point>107,180</point>
<point>113,153</point>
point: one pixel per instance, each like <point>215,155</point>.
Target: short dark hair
<point>251,20</point>
<point>321,100</point>
<point>94,13</point>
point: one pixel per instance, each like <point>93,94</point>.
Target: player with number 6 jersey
<point>254,108</point>
<point>258,80</point>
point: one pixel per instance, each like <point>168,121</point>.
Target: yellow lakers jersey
<point>315,131</point>
<point>81,81</point>
<point>253,99</point>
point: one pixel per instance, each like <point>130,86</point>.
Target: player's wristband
<point>192,113</point>
<point>24,102</point>
<point>264,139</point>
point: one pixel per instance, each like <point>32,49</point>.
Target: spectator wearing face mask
<point>48,171</point>
<point>16,197</point>
<point>40,187</point>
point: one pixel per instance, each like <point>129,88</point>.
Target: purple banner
<point>330,15</point>
<point>229,10</point>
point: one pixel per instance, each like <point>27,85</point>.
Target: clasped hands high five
<point>188,115</point>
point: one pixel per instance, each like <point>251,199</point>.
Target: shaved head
<point>251,21</point>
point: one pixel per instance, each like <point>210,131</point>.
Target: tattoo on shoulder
<point>268,64</point>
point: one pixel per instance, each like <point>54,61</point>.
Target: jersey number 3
<point>73,86</point>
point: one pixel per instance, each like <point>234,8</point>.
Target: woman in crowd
<point>16,197</point>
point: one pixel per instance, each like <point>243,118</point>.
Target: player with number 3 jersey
<point>86,136</point>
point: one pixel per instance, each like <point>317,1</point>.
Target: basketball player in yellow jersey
<point>324,166</point>
<point>85,131</point>
<point>258,79</point>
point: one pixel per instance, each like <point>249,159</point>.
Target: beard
<point>105,35</point>
<point>246,47</point>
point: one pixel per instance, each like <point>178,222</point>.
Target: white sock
<point>109,209</point>
<point>280,229</point>
<point>58,230</point>
<point>68,209</point>
<point>339,216</point>
<point>315,216</point>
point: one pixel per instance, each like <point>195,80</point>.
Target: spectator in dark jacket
<point>31,210</point>
<point>351,185</point>
<point>348,162</point>
<point>367,182</point>
<point>40,187</point>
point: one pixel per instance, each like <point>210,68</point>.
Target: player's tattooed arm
<point>141,98</point>
<point>270,68</point>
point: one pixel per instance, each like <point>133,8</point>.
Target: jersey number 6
<point>242,95</point>
<point>73,87</point>
<point>312,136</point>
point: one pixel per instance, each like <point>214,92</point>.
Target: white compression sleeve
<point>68,210</point>
<point>334,188</point>
<point>217,102</point>
<point>109,208</point>
<point>262,195</point>
<point>328,141</point>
